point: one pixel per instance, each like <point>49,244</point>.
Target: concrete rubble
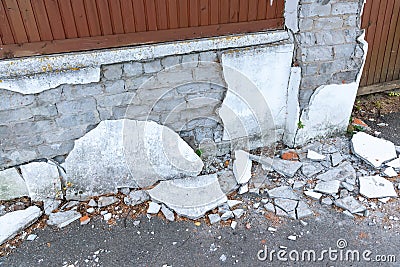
<point>351,204</point>
<point>12,185</point>
<point>136,197</point>
<point>63,218</point>
<point>242,167</point>
<point>376,187</point>
<point>328,187</point>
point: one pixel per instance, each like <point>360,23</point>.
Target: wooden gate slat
<point>262,9</point>
<point>54,16</point>
<point>5,29</point>
<point>29,20</point>
<point>92,17</point>
<point>243,10</point>
<point>224,12</point>
<point>214,11</point>
<point>271,9</point>
<point>395,51</point>
<point>78,9</point>
<point>68,19</point>
<point>151,15</point>
<point>116,17</point>
<point>253,10</point>
<point>104,17</point>
<point>204,13</point>
<point>396,71</point>
<point>183,13</point>
<point>194,13</point>
<point>173,14</point>
<point>234,11</point>
<point>162,14</point>
<point>127,16</point>
<point>15,20</point>
<point>42,20</point>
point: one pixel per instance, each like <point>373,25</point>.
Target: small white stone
<point>242,167</point>
<point>314,155</point>
<point>154,208</point>
<point>303,223</point>
<point>394,163</point>
<point>222,258</point>
<point>271,229</point>
<point>313,194</point>
<point>232,203</point>
<point>107,216</point>
<point>92,203</point>
<point>256,205</point>
<point>243,189</point>
<point>233,224</point>
<point>238,213</point>
<point>390,172</point>
<point>376,187</point>
<point>384,199</point>
<point>31,237</point>
<point>292,237</point>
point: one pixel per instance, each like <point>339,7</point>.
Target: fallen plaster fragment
<point>242,167</point>
<point>336,159</point>
<point>390,172</point>
<point>12,185</point>
<point>169,215</point>
<point>310,169</point>
<point>154,208</point>
<point>329,187</point>
<point>227,215</point>
<point>214,218</point>
<point>313,194</point>
<point>269,207</point>
<point>133,153</point>
<point>233,224</point>
<point>42,180</point>
<point>107,216</point>
<point>238,213</point>
<point>348,213</point>
<point>265,162</point>
<point>303,210</point>
<point>315,156</point>
<point>49,205</point>
<point>293,107</point>
<point>243,189</point>
<point>286,168</point>
<point>343,172</point>
<point>326,201</point>
<point>376,187</point>
<point>92,203</point>
<point>190,197</point>
<point>280,212</point>
<point>283,192</point>
<point>298,184</point>
<point>107,201</point>
<point>227,181</point>
<point>13,222</point>
<point>394,163</point>
<point>286,204</point>
<point>137,197</point>
<point>233,203</point>
<point>384,199</point>
<point>351,204</point>
<point>373,150</point>
<point>62,219</point>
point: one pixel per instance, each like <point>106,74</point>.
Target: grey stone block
<point>77,106</point>
<point>50,151</point>
<point>73,120</point>
<point>112,72</point>
<point>171,61</point>
<point>350,21</point>
<point>307,39</point>
<point>115,100</point>
<point>169,104</point>
<point>342,8</point>
<point>331,37</point>
<point>15,115</point>
<point>310,69</point>
<point>57,135</point>
<point>133,69</point>
<point>207,57</point>
<point>314,81</point>
<point>48,110</point>
<point>115,87</point>
<point>191,58</point>
<point>208,73</point>
<point>328,23</point>
<point>306,24</point>
<point>318,53</point>
<point>11,100</point>
<point>51,96</point>
<point>351,35</point>
<point>131,112</point>
<point>152,66</point>
<point>136,82</point>
<point>345,76</point>
<point>314,10</point>
<point>82,90</point>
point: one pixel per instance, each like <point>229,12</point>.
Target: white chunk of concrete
<point>227,181</point>
<point>329,187</point>
<point>303,210</point>
<point>286,168</point>
<point>269,207</point>
<point>394,163</point>
<point>242,167</point>
<point>42,180</point>
<point>169,214</point>
<point>13,222</point>
<point>238,213</point>
<point>49,205</point>
<point>344,172</point>
<point>312,194</point>
<point>310,169</point>
<point>190,197</point>
<point>154,208</point>
<point>283,192</point>
<point>106,201</point>
<point>350,203</point>
<point>372,150</point>
<point>315,156</point>
<point>128,153</point>
<point>243,189</point>
<point>214,218</point>
<point>62,219</point>
<point>293,106</point>
<point>286,204</point>
<point>376,187</point>
<point>233,203</point>
<point>12,185</point>
<point>390,172</point>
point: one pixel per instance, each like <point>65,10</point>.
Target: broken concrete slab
<point>343,172</point>
<point>214,218</point>
<point>283,192</point>
<point>280,212</point>
<point>169,214</point>
<point>315,156</point>
<point>233,203</point>
<point>137,197</point>
<point>376,187</point>
<point>310,169</point>
<point>303,210</point>
<point>270,207</point>
<point>13,222</point>
<point>394,163</point>
<point>328,187</point>
<point>42,180</point>
<point>190,197</point>
<point>242,167</point>
<point>106,201</point>
<point>227,215</point>
<point>298,184</point>
<point>390,172</point>
<point>63,218</point>
<point>372,150</point>
<point>154,208</point>
<point>286,204</point>
<point>286,168</point>
<point>134,153</point>
<point>336,159</point>
<point>49,205</point>
<point>227,181</point>
<point>326,201</point>
<point>92,203</point>
<point>350,203</point>
<point>313,194</point>
<point>243,189</point>
<point>12,185</point>
<point>238,213</point>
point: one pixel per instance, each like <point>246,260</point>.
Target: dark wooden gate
<point>381,19</point>
<point>36,27</point>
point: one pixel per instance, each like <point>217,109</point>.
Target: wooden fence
<point>36,27</point>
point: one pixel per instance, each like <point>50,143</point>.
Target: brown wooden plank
<point>5,30</point>
<point>381,87</point>
<point>262,9</point>
<point>173,21</point>
<point>394,52</point>
<point>127,16</point>
<point>243,10</point>
<point>15,20</point>
<point>68,19</point>
<point>204,13</point>
<point>253,10</point>
<point>119,40</point>
<point>1,40</point>
<point>389,52</point>
<point>116,17</point>
<point>183,13</point>
<point>162,14</point>
<point>151,15</point>
<point>396,71</point>
<point>92,17</point>
<point>29,20</point>
<point>104,17</point>
<point>376,42</point>
<point>194,13</point>
<point>140,15</point>
<point>234,11</point>
<point>271,9</point>
<point>214,11</point>
<point>53,13</point>
<point>42,20</point>
<point>364,25</point>
<point>280,8</point>
<point>224,11</point>
<point>384,41</point>
<point>78,8</point>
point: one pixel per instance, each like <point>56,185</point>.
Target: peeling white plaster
<point>257,79</point>
<point>293,106</point>
<point>40,64</point>
<point>291,15</point>
<point>43,81</point>
<point>330,107</point>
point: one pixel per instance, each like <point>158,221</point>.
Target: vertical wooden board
<point>224,11</point>
<point>280,8</point>
<point>172,14</point>
<point>29,20</point>
<point>140,15</point>
<point>253,10</point>
<point>162,14</point>
<point>183,13</point>
<point>116,16</point>
<point>127,16</point>
<point>383,41</point>
<point>104,17</point>
<point>395,7</point>
<point>271,9</point>
<point>92,17</point>
<point>151,15</point>
<point>68,20</point>
<point>15,20</point>
<point>395,50</point>
<point>234,11</point>
<point>262,9</point>
<point>78,9</point>
<point>194,13</point>
<point>243,10</point>
<point>204,13</point>
<point>53,13</point>
<point>214,11</point>
<point>42,20</point>
<point>396,69</point>
<point>376,42</point>
<point>5,30</point>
